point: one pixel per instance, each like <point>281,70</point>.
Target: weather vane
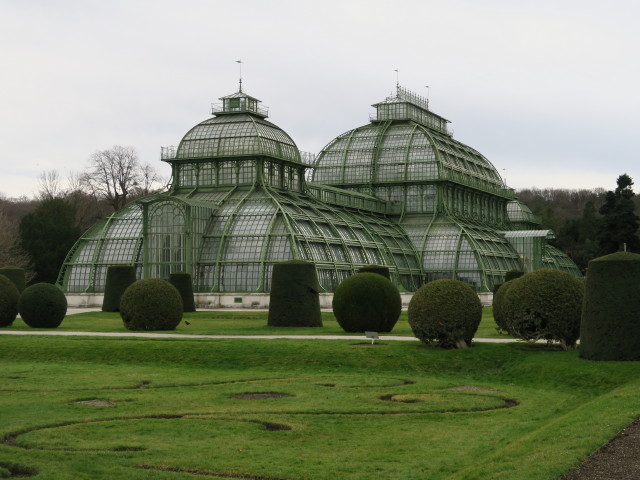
<point>397,78</point>
<point>239,62</point>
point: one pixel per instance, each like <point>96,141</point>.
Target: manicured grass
<point>303,409</point>
<point>221,322</point>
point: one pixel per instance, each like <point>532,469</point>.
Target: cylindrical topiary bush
<point>42,305</point>
<point>379,269</point>
<point>151,304</point>
<point>119,278</point>
<point>445,311</point>
<point>9,296</point>
<point>499,314</point>
<point>545,304</point>
<point>367,302</point>
<point>513,274</point>
<point>16,275</point>
<point>294,299</point>
<point>182,281</point>
<point>610,325</point>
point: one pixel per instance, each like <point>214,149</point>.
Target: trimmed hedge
<point>379,269</point>
<point>42,305</point>
<point>610,325</point>
<point>119,277</point>
<point>545,304</point>
<point>183,283</point>
<point>513,274</point>
<point>294,299</point>
<point>16,275</point>
<point>499,314</point>
<point>510,275</point>
<point>367,302</point>
<point>151,304</point>
<point>446,311</point>
<point>9,297</point>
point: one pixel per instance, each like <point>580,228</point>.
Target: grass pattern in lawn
<point>311,410</point>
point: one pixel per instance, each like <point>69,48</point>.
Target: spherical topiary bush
<point>119,277</point>
<point>182,281</point>
<point>294,299</point>
<point>499,315</point>
<point>545,304</point>
<point>367,302</point>
<point>9,296</point>
<point>151,304</point>
<point>446,311</point>
<point>16,275</point>
<point>379,269</point>
<point>610,326</point>
<point>42,305</point>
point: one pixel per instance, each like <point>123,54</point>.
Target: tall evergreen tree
<point>619,224</point>
<point>577,237</point>
<point>47,234</point>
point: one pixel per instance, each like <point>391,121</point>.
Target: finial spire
<point>397,78</point>
<point>239,62</point>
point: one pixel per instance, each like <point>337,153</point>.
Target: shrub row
<point>41,305</point>
<point>542,305</point>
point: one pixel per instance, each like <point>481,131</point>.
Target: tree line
<point>588,223</point>
<point>36,234</point>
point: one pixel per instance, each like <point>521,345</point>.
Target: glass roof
<point>399,192</point>
<point>518,213</point>
<point>237,135</point>
<point>404,151</point>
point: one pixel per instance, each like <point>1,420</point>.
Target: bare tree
<point>115,174</point>
<point>147,181</point>
<point>50,186</point>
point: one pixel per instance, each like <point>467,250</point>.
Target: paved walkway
<point>71,311</point>
<point>60,333</point>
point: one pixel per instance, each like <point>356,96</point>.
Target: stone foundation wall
<point>232,300</point>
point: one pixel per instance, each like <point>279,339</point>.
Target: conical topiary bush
<point>610,324</point>
<point>294,299</point>
<point>182,281</point>
<point>379,269</point>
<point>119,277</point>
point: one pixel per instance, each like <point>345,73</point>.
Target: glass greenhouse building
<point>398,191</point>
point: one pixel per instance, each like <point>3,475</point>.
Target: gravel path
<point>618,459</point>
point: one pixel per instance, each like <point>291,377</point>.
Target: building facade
<point>398,191</point>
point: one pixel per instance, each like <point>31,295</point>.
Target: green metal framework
<point>399,192</point>
<point>449,199</point>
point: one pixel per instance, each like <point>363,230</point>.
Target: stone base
<point>233,300</point>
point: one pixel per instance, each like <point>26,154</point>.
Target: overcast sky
<point>547,90</point>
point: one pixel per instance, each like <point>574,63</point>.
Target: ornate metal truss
<point>399,192</point>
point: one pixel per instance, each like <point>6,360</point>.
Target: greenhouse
<point>398,191</point>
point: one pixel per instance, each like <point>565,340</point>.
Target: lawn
<point>92,408</point>
<point>247,322</point>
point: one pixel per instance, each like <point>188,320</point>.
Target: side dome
<point>405,143</point>
<point>521,216</point>
<point>238,129</point>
